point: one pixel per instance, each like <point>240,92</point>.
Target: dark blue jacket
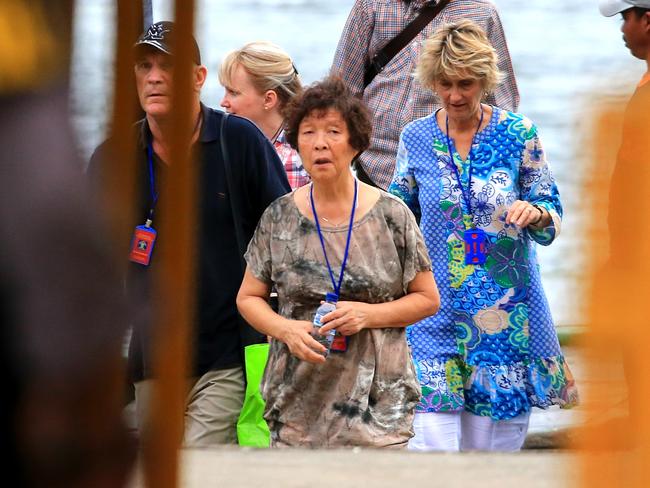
<point>258,178</point>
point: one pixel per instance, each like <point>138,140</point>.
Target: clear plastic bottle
<point>324,309</point>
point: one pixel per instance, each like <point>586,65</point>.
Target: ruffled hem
<point>499,391</point>
<point>503,391</point>
<point>441,380</point>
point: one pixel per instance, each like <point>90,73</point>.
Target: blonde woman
<point>478,178</point>
<point>260,79</point>
<point>394,97</point>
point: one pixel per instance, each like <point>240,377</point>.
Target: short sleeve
<point>414,253</point>
<point>258,254</point>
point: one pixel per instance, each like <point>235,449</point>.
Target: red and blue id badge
<point>340,343</point>
<point>475,240</point>
<point>144,237</point>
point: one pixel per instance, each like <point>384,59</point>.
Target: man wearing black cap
<point>258,178</point>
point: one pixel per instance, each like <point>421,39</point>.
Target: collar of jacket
<point>209,129</point>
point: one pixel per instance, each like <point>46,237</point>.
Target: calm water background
<point>564,54</point>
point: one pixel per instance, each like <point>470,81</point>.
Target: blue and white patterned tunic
<point>492,348</point>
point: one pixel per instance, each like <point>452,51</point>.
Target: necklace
<point>466,193</point>
<point>331,222</point>
<point>335,224</point>
<point>277,133</point>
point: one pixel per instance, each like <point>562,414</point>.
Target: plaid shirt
<point>394,97</point>
<point>290,158</point>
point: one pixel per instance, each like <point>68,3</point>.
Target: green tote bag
<point>251,426</point>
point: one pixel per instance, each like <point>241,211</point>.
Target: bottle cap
<point>331,298</point>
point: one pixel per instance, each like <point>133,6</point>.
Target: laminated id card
<point>340,343</point>
<point>144,238</point>
<point>475,246</point>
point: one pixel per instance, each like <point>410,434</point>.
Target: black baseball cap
<point>161,36</point>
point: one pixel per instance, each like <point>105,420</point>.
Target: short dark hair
<point>330,93</point>
<point>640,11</point>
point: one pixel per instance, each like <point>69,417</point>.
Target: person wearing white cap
<point>636,24</point>
<point>609,8</point>
<point>636,125</point>
<point>630,180</point>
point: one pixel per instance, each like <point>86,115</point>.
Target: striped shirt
<point>290,158</point>
<point>395,97</point>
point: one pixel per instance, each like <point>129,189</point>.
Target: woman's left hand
<point>348,318</point>
<point>522,214</point>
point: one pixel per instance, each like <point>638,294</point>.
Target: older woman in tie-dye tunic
<point>367,395</point>
<point>363,393</point>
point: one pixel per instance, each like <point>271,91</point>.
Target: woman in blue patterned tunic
<point>477,178</point>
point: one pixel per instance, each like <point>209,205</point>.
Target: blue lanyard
<point>152,180</point>
<point>337,289</point>
<point>152,177</point>
<point>466,194</point>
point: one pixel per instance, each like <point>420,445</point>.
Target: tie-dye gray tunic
<point>365,396</point>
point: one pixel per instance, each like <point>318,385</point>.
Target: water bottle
<point>324,309</point>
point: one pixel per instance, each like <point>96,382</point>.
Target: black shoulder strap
<point>397,43</point>
<point>230,189</point>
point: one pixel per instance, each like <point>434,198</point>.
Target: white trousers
<point>436,432</point>
<point>464,431</point>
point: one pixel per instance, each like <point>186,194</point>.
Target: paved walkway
<point>247,468</point>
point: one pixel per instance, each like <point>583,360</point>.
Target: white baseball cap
<point>610,8</point>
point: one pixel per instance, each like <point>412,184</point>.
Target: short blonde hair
<point>269,68</point>
<point>458,50</point>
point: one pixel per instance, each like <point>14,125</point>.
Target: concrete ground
<point>247,468</point>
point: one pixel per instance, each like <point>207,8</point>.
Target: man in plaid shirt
<point>394,97</point>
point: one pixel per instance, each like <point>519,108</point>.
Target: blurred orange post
<point>63,315</point>
<point>174,283</point>
<point>616,451</point>
<point>119,190</point>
